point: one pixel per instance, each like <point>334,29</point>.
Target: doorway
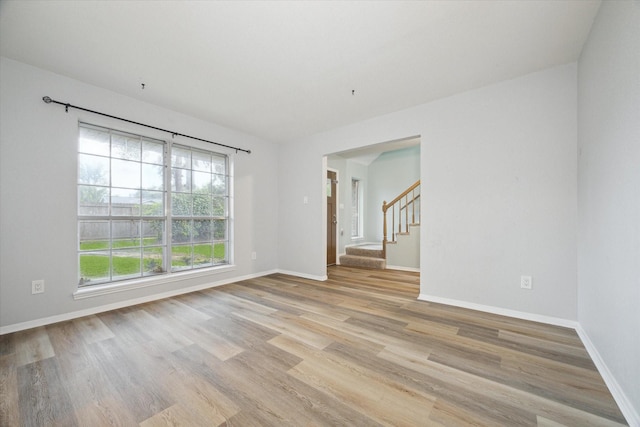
<point>332,216</point>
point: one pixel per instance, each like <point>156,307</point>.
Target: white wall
<point>405,254</point>
<point>498,167</point>
<point>38,152</point>
<point>609,194</point>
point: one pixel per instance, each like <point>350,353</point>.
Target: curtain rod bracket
<point>48,100</point>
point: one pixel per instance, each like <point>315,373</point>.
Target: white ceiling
<point>284,70</point>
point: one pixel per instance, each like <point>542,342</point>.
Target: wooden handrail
<point>407,202</point>
<point>386,205</point>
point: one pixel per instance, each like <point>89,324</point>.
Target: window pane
<point>356,204</point>
<point>152,152</point>
<point>181,204</point>
<point>201,161</point>
<point>220,252</point>
<point>125,174</point>
<point>180,157</point>
<point>152,203</point>
<point>202,230</point>
<point>219,164</point>
<point>220,229</point>
<point>219,184</point>
<point>152,178</point>
<point>93,141</point>
<point>126,263</point>
<point>202,255</point>
<point>125,234</point>
<point>94,235</point>
<point>202,205</point>
<point>125,147</point>
<point>93,170</point>
<point>93,200</point>
<point>94,267</point>
<point>201,182</point>
<point>125,202</point>
<point>152,261</point>
<point>152,233</point>
<point>180,231</point>
<point>181,257</point>
<point>181,180</point>
<point>219,206</point>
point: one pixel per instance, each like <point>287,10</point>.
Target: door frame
<point>324,204</point>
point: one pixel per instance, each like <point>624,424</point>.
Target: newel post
<point>384,229</point>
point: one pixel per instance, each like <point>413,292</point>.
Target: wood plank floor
<point>358,349</point>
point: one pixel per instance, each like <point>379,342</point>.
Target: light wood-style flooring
<point>356,350</point>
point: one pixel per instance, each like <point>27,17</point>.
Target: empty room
<point>320,213</point>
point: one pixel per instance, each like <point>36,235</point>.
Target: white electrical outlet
<point>37,286</point>
<point>526,282</point>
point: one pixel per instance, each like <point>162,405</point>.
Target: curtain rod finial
<point>46,99</point>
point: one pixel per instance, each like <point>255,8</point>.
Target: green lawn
<point>201,254</point>
<point>96,266</point>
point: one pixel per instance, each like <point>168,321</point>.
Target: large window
<point>134,220</point>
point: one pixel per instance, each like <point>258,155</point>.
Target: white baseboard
<point>114,306</point>
<point>304,275</point>
<point>624,403</point>
<point>397,267</point>
<point>557,321</point>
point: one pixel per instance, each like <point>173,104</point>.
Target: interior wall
<point>498,167</point>
<point>389,175</point>
<point>609,193</point>
<point>38,155</point>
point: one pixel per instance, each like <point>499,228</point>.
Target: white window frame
<point>168,274</point>
<point>357,209</point>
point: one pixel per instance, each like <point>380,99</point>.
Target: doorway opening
<point>369,176</point>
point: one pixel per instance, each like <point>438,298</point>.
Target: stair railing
<point>405,204</point>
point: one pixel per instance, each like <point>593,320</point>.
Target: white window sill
<point>127,285</point>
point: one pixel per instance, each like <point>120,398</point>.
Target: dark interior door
<point>332,219</point>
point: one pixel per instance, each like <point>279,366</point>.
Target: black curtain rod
<point>48,100</point>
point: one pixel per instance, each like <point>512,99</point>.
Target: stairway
<point>365,256</point>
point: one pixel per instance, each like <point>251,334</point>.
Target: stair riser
<point>354,250</point>
<point>364,262</point>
